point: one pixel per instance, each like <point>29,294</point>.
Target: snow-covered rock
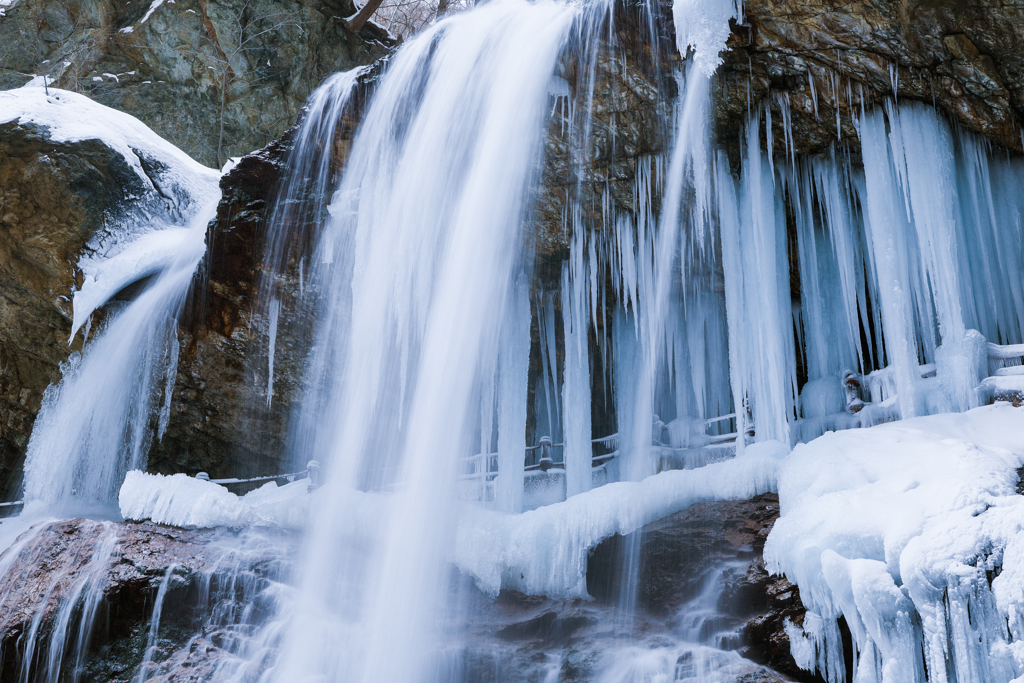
<point>913,532</point>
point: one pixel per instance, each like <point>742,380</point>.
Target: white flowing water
<point>98,421</point>
<point>418,260</point>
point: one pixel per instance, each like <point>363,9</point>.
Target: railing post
<point>851,383</point>
<point>202,476</point>
<point>545,453</point>
<point>315,474</point>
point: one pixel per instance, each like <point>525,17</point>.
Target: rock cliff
<point>822,60</point>
<point>216,79</point>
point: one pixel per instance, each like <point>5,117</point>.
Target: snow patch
<point>37,81</point>
<point>152,8</point>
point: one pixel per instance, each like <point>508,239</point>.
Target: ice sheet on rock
<point>184,501</point>
<point>911,530</point>
<point>704,26</point>
<point>544,551</point>
<point>103,278</point>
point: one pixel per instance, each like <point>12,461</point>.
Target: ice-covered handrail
<point>312,471</point>
<point>1001,352</point>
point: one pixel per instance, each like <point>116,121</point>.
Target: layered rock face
<point>823,60</point>
<point>220,421</point>
<point>119,576</point>
<point>216,79</point>
<point>207,588</point>
<point>676,557</point>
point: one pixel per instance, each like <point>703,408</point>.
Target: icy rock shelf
<point>912,531</point>
<point>540,552</point>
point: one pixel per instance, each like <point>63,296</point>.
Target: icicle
<point>887,230</point>
<point>732,264</point>
<point>171,376</point>
<point>759,274</point>
<point>576,377</point>
<point>275,309</point>
<point>814,93</point>
<point>513,388</point>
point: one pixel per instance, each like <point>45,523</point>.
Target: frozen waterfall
<point>502,375</point>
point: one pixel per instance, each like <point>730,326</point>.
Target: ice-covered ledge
<point>912,532</point>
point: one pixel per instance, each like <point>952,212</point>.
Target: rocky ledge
<point>115,573</point>
<point>818,62</point>
<point>198,578</point>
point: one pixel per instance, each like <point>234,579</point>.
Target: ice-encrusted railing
<point>482,468</point>
<point>312,472</point>
<point>1005,380</point>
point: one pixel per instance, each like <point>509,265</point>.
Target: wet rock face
<point>54,198</point>
<point>966,59</point>
<point>209,575</point>
<point>632,94</point>
<point>216,79</point>
<point>765,638</point>
<point>123,567</point>
<point>677,555</point>
<point>219,422</point>
<point>48,571</point>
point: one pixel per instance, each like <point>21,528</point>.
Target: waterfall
<point>417,265</point>
<point>728,308</point>
<point>98,421</point>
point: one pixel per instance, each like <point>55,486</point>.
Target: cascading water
<point>415,261</point>
<point>98,422</point>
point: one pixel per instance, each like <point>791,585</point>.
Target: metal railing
<point>485,466</point>
<point>312,472</point>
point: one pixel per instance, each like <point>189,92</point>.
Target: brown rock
<point>967,60</point>
<point>677,553</point>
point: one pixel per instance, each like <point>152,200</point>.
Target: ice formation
<point>143,239</point>
<point>181,500</point>
<point>544,551</point>
<point>912,532</point>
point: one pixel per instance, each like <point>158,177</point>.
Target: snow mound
<point>544,551</point>
<point>913,532</point>
<point>179,186</point>
<point>184,501</point>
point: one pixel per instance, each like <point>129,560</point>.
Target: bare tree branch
<point>356,23</point>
